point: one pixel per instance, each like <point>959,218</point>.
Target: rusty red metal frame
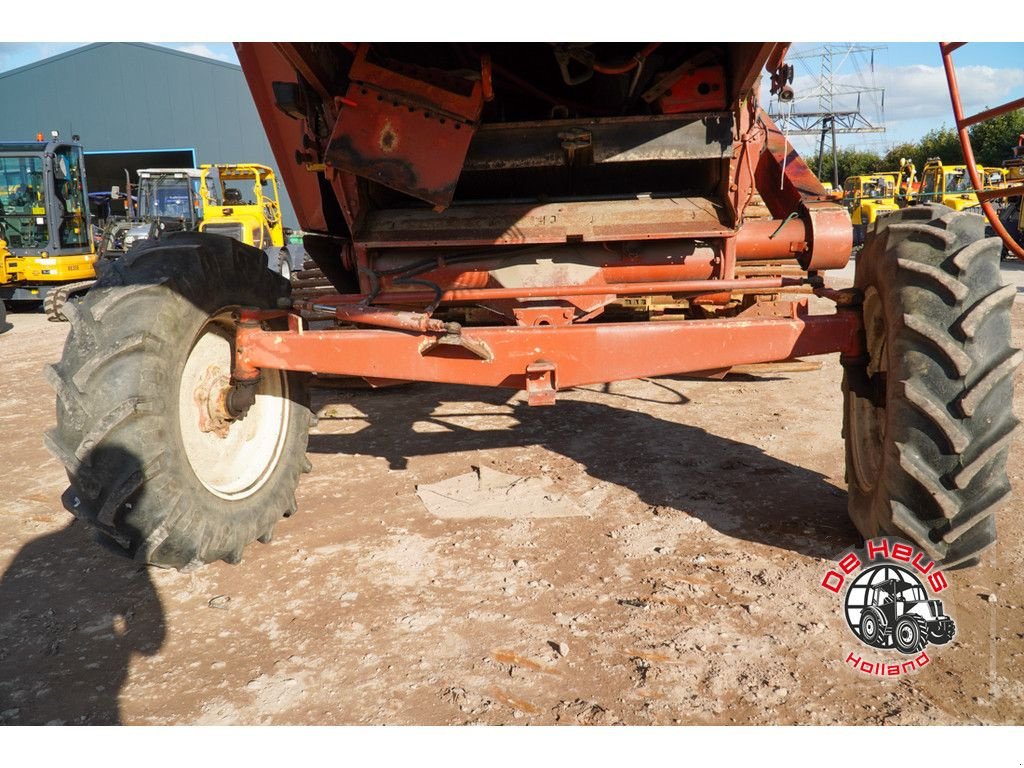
<point>962,126</point>
<point>573,355</point>
<point>409,129</point>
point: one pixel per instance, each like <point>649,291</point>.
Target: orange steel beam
<point>962,124</point>
<point>579,354</point>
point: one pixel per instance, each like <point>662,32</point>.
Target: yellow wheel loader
<point>241,201</point>
<point>951,185</point>
<point>867,197</point>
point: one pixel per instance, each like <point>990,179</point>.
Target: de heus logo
<point>888,606</point>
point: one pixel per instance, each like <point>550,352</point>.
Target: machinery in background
<point>1012,213</point>
<point>169,200</point>
<point>535,217</point>
<point>907,185</point>
<point>240,201</point>
<point>868,197</point>
<point>46,243</point>
<point>951,185</point>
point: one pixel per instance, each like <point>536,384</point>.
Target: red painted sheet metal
<point>783,178</point>
<point>262,65</point>
<point>399,130</point>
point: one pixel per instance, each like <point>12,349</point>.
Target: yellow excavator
<point>46,246</point>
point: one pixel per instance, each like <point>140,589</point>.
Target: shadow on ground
<point>72,615</point>
<point>734,487</point>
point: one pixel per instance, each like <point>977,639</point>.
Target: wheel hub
<point>232,432</point>
<point>211,399</point>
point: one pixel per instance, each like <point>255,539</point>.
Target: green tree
<point>942,143</point>
<point>851,162</point>
<point>900,152</point>
<point>993,139</point>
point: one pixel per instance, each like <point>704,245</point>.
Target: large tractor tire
<point>927,415</point>
<point>154,463</point>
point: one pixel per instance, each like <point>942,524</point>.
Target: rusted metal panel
<point>523,223</point>
<point>609,140</point>
<point>746,62</point>
<point>577,354</point>
<point>262,65</point>
<point>697,88</point>
<point>408,130</point>
<point>783,178</point>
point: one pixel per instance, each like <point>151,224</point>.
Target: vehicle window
<point>929,185</point>
<point>69,189</point>
<point>22,202</point>
<point>166,197</point>
<point>959,182</point>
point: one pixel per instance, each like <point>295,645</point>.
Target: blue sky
<point>916,96</point>
<point>14,55</point>
<point>916,99</point>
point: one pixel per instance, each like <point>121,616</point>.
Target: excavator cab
<point>45,222</point>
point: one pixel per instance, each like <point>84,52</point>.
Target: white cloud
<point>918,91</point>
<point>916,99</point>
<point>200,49</point>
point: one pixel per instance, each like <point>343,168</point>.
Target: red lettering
<point>908,666</point>
<point>937,581</point>
<point>850,563</point>
<point>919,661</point>
<point>867,668</point>
<point>902,552</point>
<point>854,659</point>
<point>833,581</point>
<point>882,548</point>
<point>894,669</point>
<point>917,563</point>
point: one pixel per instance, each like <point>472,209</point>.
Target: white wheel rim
<point>237,465</point>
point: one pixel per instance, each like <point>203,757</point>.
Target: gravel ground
<point>686,592</point>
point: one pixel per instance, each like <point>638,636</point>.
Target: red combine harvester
<point>535,217</point>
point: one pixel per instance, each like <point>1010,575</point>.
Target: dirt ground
<point>686,592</point>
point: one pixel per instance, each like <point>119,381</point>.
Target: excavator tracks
<point>56,299</point>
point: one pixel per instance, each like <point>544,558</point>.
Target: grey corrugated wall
<point>134,96</point>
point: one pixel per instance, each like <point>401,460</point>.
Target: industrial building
<point>135,106</point>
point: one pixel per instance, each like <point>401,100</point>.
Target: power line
<point>828,89</point>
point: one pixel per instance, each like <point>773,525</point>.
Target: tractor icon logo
<point>888,607</point>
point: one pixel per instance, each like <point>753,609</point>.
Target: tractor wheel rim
<point>906,634</point>
<point>236,464</point>
<point>867,421</point>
